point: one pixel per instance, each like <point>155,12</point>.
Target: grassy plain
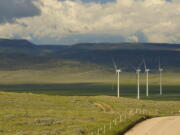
<point>62,101</point>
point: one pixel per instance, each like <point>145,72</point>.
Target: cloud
<point>12,9</point>
<point>77,21</point>
<point>96,1</point>
<point>138,37</point>
<point>84,38</point>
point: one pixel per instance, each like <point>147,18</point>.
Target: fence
<point>108,127</point>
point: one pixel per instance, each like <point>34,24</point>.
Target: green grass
<point>36,114</point>
<point>62,101</point>
<point>170,92</point>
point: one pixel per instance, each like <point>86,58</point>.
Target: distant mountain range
<point>17,54</point>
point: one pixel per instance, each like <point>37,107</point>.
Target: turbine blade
<point>114,63</point>
<point>144,64</point>
<point>159,64</point>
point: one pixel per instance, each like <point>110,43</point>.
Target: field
<point>66,101</point>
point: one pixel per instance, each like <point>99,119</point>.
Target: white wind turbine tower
<point>160,75</point>
<point>147,78</point>
<point>138,85</point>
<point>138,70</point>
<point>118,70</point>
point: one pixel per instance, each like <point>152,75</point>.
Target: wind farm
<point>60,94</point>
<point>89,67</point>
<point>138,70</point>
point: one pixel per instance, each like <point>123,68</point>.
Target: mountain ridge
<point>28,43</point>
<point>16,43</point>
<point>18,53</point>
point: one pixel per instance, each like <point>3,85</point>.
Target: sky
<point>77,21</point>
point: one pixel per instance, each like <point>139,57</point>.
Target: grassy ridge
<point>62,101</point>
<point>86,81</point>
<point>34,114</point>
<point>81,74</point>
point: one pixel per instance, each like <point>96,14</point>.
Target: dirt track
<point>157,126</point>
<point>104,107</point>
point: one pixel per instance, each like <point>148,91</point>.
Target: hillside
<point>23,54</point>
<point>71,90</point>
<point>39,114</point>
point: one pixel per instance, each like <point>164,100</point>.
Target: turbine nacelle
<point>147,70</point>
<point>160,69</point>
<point>138,70</point>
<point>118,70</point>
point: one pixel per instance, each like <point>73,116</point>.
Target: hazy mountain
<point>18,46</point>
<point>129,46</point>
<point>23,54</point>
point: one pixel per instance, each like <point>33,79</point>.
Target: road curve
<point>157,126</point>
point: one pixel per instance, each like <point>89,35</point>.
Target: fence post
<point>98,132</point>
<point>110,126</point>
<point>104,129</point>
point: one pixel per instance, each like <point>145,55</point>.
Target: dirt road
<point>157,126</point>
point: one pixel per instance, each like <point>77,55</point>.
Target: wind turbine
<point>160,79</point>
<point>147,78</point>
<point>118,70</point>
<point>138,70</point>
<point>138,85</point>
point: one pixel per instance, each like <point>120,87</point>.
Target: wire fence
<point>115,123</point>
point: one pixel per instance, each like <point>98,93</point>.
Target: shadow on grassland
<point>94,89</point>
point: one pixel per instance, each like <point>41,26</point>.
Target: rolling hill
<point>57,89</point>
<point>15,54</point>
